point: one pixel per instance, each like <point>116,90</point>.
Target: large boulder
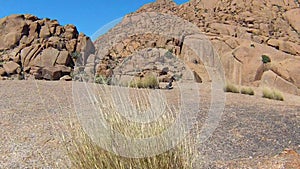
<point>52,73</point>
<point>46,58</point>
<point>12,29</point>
<point>34,44</point>
<point>11,67</point>
<point>293,17</point>
<point>271,79</point>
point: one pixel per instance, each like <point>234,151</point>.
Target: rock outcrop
<point>240,31</point>
<point>33,48</point>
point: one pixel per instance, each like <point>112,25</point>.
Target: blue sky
<point>87,15</point>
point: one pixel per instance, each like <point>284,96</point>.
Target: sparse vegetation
<point>272,94</point>
<point>75,55</point>
<point>149,81</point>
<point>84,153</point>
<point>231,88</point>
<point>265,59</point>
<point>102,80</point>
<point>248,91</point>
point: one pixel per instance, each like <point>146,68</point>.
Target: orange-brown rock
<point>34,44</point>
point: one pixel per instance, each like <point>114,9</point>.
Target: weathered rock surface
<point>271,79</point>
<point>31,46</point>
<point>240,31</point>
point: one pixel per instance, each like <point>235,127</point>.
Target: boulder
<point>63,58</point>
<point>64,69</point>
<point>28,54</point>
<point>11,67</point>
<point>293,17</point>
<point>33,42</point>
<point>2,71</point>
<point>34,28</point>
<point>45,32</point>
<point>70,32</point>
<point>46,58</point>
<point>51,73</point>
<point>71,45</point>
<point>289,47</point>
<point>11,39</point>
<point>271,79</point>
<point>12,29</point>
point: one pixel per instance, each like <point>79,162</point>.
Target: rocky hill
<point>241,32</point>
<point>33,48</point>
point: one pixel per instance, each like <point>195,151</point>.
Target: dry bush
<point>84,153</point>
<point>231,88</point>
<point>272,94</point>
<point>248,91</point>
<point>149,81</point>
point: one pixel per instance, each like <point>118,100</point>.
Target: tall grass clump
<point>231,88</point>
<point>248,91</point>
<point>272,94</point>
<point>84,153</point>
<point>149,81</point>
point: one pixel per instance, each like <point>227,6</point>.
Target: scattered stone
<point>66,78</point>
<point>11,67</point>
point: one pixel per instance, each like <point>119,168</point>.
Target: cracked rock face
<point>240,32</point>
<point>30,46</point>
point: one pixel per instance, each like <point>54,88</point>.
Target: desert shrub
<point>278,95</point>
<point>149,81</point>
<point>231,88</point>
<point>248,91</point>
<point>102,79</point>
<point>84,153</point>
<point>75,55</point>
<point>265,59</point>
<point>272,94</point>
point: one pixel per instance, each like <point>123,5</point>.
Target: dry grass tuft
<point>231,88</point>
<point>149,81</point>
<point>85,153</point>
<point>272,94</point>
<point>248,91</point>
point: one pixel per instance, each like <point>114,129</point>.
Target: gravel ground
<point>34,116</point>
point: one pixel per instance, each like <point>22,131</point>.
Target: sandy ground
<point>34,116</point>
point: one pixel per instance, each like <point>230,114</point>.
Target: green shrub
<point>75,55</point>
<point>149,81</point>
<point>231,88</point>
<point>272,94</point>
<point>265,59</point>
<point>248,91</point>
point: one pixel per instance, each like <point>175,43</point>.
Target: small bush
<point>102,80</point>
<point>248,91</point>
<point>278,95</point>
<point>231,88</point>
<point>75,55</point>
<point>272,94</point>
<point>149,81</point>
<point>265,59</point>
